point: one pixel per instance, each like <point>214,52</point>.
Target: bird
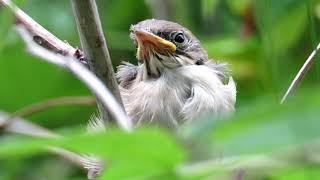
<point>174,81</point>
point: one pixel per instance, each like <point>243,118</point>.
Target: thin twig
<point>23,127</point>
<point>70,156</point>
<point>20,126</point>
<point>94,166</point>
<point>83,74</point>
<point>304,69</point>
<point>30,109</point>
<point>95,47</point>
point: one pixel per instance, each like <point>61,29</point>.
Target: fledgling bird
<point>175,81</point>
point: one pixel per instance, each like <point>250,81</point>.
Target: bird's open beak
<point>148,41</point>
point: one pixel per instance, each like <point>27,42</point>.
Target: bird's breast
<point>158,100</point>
<point>178,95</point>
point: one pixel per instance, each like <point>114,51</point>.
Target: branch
<point>94,46</point>
<point>83,74</point>
<point>304,69</point>
<point>93,165</point>
<point>80,100</point>
<point>40,34</point>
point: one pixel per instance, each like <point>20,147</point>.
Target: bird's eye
<point>179,38</point>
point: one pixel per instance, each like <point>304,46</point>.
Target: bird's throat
<point>153,66</point>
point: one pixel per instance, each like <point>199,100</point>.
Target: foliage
<point>265,42</point>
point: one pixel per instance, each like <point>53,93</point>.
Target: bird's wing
<point>126,73</point>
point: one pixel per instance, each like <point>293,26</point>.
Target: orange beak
<point>149,42</point>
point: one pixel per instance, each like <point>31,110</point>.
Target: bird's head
<point>163,44</point>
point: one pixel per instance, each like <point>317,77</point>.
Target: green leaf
<point>21,147</point>
<point>265,137</point>
<point>145,152</point>
<point>268,127</point>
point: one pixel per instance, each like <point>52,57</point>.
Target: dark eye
<point>199,62</point>
<point>179,38</point>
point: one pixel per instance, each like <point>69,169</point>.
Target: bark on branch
<point>94,45</point>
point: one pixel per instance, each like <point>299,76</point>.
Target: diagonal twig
<point>23,127</point>
<point>83,74</point>
<point>298,78</point>
<point>40,34</point>
<point>94,166</point>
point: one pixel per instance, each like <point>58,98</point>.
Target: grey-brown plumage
<point>174,81</point>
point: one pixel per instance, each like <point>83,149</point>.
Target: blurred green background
<point>265,43</point>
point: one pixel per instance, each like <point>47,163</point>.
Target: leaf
<point>269,127</point>
<point>21,147</point>
<point>146,152</point>
<point>262,138</point>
